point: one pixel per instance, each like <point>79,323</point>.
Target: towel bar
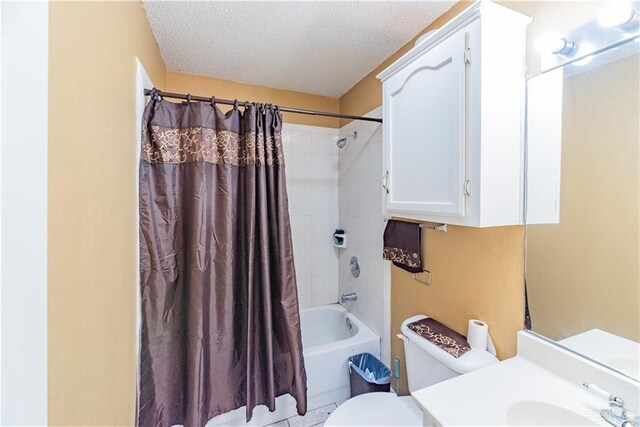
<point>439,227</point>
<point>436,227</point>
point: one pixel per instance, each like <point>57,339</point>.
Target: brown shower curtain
<point>220,321</point>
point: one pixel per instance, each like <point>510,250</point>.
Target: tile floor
<point>313,418</point>
<point>317,417</point>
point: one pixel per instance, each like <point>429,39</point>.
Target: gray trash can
<point>367,374</point>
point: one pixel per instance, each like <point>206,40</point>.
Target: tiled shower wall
<point>311,159</point>
<point>361,217</point>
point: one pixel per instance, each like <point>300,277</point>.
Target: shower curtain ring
<point>155,94</point>
<point>213,101</point>
<point>189,97</point>
<point>235,104</point>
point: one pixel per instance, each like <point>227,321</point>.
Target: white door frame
<point>24,77</point>
<point>143,81</point>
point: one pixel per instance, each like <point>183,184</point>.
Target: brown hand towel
<point>402,245</point>
<point>447,339</point>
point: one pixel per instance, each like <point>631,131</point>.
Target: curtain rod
<point>283,109</point>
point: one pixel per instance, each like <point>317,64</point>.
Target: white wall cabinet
<point>453,111</point>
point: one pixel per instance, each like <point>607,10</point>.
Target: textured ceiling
<point>320,47</point>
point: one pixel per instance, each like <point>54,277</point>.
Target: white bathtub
<point>327,343</point>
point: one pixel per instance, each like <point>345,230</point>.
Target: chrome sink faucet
<point>617,415</point>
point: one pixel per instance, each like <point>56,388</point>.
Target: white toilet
<point>427,364</point>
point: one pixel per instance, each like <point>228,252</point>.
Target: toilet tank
<point>428,364</point>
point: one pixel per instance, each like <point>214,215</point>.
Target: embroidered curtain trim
<point>198,144</point>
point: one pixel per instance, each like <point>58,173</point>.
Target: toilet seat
<point>374,409</point>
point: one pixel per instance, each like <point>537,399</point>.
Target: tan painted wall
<point>188,83</point>
<point>92,216</point>
<point>583,273</point>
<point>92,220</point>
<point>477,274</point>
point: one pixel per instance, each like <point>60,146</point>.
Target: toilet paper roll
<point>478,335</point>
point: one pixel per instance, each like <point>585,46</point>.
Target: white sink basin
<point>533,413</point>
<point>514,392</point>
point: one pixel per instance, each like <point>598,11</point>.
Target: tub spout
<point>352,296</point>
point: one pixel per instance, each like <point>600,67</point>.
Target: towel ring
<point>428,282</point>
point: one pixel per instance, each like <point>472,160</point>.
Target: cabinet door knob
<point>385,181</point>
<point>465,188</point>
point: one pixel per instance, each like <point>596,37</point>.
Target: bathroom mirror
<point>582,206</point>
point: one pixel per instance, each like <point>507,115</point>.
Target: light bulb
<point>553,43</point>
<point>618,14</point>
<point>548,42</point>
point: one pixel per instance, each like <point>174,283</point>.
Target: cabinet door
<point>424,132</point>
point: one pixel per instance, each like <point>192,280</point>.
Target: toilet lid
<point>373,409</point>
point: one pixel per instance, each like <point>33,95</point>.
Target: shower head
<point>342,142</point>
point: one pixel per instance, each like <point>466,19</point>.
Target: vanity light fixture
<point>554,44</point>
<point>584,49</point>
<point>617,23</point>
<point>584,61</point>
<point>619,14</point>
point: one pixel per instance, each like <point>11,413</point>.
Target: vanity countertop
<point>618,352</point>
<point>513,392</point>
